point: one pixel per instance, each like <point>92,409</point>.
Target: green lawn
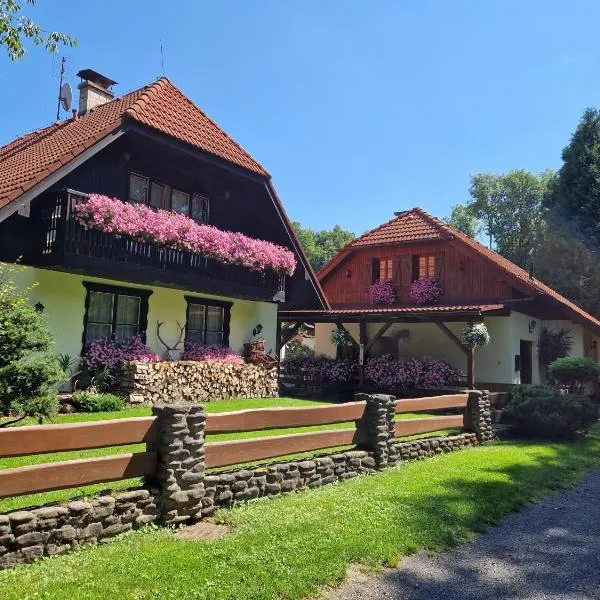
<point>289,547</point>
<point>8,504</point>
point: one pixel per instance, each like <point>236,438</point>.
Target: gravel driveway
<point>549,550</point>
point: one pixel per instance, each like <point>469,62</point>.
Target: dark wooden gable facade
<point>465,277</point>
<point>238,201</point>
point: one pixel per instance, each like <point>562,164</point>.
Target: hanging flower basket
<point>475,335</point>
<point>426,291</point>
<point>340,337</point>
<point>383,292</point>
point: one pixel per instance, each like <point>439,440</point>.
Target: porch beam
<point>453,337</point>
<point>378,335</point>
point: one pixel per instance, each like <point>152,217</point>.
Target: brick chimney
<point>93,90</point>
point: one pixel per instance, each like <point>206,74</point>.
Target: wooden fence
<point>39,439</point>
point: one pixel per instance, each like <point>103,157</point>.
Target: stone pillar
<point>478,416</point>
<point>180,467</point>
<point>376,428</point>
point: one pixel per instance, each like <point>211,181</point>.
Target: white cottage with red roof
<point>141,210</point>
<point>430,280</point>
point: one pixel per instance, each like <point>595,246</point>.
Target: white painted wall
<point>493,364</point>
<point>63,296</point>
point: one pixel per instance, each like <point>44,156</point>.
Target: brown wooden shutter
<point>374,270</point>
<point>405,277</point>
<point>439,266</point>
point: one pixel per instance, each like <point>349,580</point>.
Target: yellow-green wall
<point>63,296</point>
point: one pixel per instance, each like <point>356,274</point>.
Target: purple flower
<point>109,355</point>
<point>383,292</point>
<point>212,353</point>
<point>387,373</point>
<point>425,291</point>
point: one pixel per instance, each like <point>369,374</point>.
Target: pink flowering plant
<point>173,230</point>
<point>212,353</point>
<point>320,368</point>
<point>387,373</point>
<point>383,292</point>
<point>104,358</point>
<point>425,291</point>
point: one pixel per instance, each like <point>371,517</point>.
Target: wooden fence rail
<point>75,473</point>
<point>38,439</point>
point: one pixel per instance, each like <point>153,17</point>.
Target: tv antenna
<point>65,95</point>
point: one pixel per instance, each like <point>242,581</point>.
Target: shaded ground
<point>547,551</point>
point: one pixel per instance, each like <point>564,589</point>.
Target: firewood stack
<point>193,381</point>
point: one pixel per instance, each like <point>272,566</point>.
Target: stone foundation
<point>26,535</point>
<point>185,493</point>
<point>193,381</point>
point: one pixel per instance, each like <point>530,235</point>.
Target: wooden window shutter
<point>374,270</point>
<point>439,266</point>
<point>405,276</point>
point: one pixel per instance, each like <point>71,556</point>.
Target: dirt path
<point>547,551</point>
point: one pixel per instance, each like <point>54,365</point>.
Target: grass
<point>291,546</point>
<point>8,504</point>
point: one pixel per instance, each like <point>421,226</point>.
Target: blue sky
<point>357,108</point>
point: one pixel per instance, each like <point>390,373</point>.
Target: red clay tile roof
<point>408,226</point>
<point>418,225</point>
<point>161,106</point>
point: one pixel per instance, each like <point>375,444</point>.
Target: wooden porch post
<point>471,368</point>
<point>361,349</point>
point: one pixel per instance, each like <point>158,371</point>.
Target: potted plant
<point>256,344</point>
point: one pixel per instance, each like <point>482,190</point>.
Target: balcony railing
<point>66,242</point>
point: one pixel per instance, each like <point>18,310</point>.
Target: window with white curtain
<point>207,321</point>
<point>115,313</point>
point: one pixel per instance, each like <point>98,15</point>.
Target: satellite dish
<point>66,96</point>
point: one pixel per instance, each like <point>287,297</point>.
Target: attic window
<point>425,265</point>
<point>382,269</point>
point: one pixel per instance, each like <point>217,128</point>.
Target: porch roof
<point>395,313</point>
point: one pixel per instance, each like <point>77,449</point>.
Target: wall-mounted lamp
<point>348,273</point>
<point>39,307</point>
<point>532,325</point>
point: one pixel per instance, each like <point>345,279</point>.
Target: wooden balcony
<point>66,245</point>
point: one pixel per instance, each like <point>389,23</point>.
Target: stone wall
<point>194,381</point>
<point>26,535</point>
<point>183,492</point>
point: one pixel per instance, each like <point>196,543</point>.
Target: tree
<point>321,246</point>
<point>464,219</point>
<point>576,195</point>
<point>511,208</point>
<point>16,29</point>
<point>28,379</point>
<point>564,260</point>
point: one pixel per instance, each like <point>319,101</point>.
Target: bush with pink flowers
<point>111,354</point>
<point>383,292</point>
<point>172,230</point>
<point>212,353</point>
<point>103,359</point>
<point>319,368</point>
<point>426,291</point>
<point>387,373</point>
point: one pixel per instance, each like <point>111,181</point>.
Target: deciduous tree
<point>16,29</point>
<point>321,246</point>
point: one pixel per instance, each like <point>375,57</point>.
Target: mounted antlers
<point>178,345</point>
